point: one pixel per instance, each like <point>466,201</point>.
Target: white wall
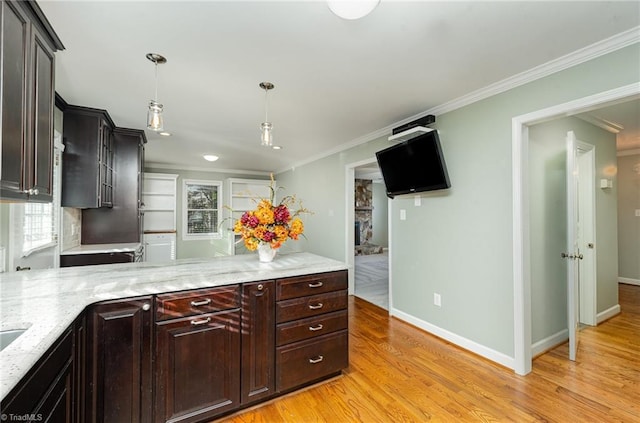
<point>459,242</point>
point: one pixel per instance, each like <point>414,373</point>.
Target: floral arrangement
<point>270,223</point>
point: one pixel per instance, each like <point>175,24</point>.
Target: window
<point>38,226</point>
<point>201,209</point>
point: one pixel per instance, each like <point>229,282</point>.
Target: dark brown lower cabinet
<point>197,367</point>
<point>119,361</point>
<point>46,392</point>
<point>258,341</point>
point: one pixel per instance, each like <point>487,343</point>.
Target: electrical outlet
<point>403,214</point>
<point>437,300</point>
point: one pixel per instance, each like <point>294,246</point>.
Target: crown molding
<point>156,165</point>
<point>593,51</point>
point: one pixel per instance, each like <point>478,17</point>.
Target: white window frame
<point>217,234</point>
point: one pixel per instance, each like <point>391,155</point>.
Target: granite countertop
<point>46,302</point>
<point>128,247</point>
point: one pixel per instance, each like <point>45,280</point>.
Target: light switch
<point>637,212</point>
<point>417,201</point>
<point>403,214</point>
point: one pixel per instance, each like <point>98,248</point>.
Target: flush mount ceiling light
<point>165,133</point>
<point>155,120</point>
<point>266,137</point>
<point>352,9</point>
<point>210,157</point>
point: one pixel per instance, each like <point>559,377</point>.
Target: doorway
<point>521,220</point>
<point>368,240</point>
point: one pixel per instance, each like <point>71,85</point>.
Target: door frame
<point>520,207</point>
<point>350,176</point>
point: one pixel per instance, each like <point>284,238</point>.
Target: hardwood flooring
<point>371,274</point>
<point>399,373</point>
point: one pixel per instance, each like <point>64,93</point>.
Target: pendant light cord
<point>156,98</point>
<point>266,105</point>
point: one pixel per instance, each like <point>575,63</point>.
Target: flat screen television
<point>415,165</point>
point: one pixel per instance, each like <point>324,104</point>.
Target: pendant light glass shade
<point>266,135</point>
<point>155,120</point>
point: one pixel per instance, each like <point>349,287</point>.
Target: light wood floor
<point>399,373</point>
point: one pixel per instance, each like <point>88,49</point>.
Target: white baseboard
<point>458,340</point>
<point>629,281</point>
<point>550,342</point>
<point>608,313</point>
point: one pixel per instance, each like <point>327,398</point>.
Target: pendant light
<point>266,136</point>
<point>155,120</point>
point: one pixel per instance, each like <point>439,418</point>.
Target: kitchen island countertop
<point>129,247</point>
<point>46,302</point>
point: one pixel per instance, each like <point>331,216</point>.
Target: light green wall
<point>548,208</point>
<point>459,242</point>
<point>199,248</point>
<point>380,215</point>
<point>628,223</point>
<point>4,231</point>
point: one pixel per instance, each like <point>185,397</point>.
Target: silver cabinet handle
<point>201,322</point>
<point>200,303</point>
<point>315,285</point>
<point>316,360</point>
<point>315,328</point>
<point>31,191</point>
<point>260,287</point>
<point>315,307</point>
<point>146,307</point>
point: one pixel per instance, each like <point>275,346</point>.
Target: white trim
<point>155,165</point>
<point>595,50</point>
<point>633,152</point>
<point>458,340</point>
<point>550,342</point>
<point>520,185</point>
<point>608,313</point>
<point>629,281</point>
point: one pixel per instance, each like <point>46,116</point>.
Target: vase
<point>265,252</point>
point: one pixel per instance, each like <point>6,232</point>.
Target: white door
<point>572,254</point>
<point>586,236</point>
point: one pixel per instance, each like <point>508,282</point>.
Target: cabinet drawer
<point>306,361</point>
<point>311,285</point>
<point>189,303</point>
<point>313,305</point>
<point>299,330</point>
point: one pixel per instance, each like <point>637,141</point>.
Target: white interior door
<point>586,234</point>
<point>572,246</point>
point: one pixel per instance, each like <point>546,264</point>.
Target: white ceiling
<point>336,81</point>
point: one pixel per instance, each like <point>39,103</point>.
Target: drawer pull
<point>315,285</point>
<point>316,360</point>
<point>201,303</point>
<point>315,307</point>
<point>201,322</point>
<point>315,328</point>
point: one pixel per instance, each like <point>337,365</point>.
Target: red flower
<point>281,214</point>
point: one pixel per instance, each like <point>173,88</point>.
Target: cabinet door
<point>15,41</point>
<point>39,170</point>
<point>46,390</point>
<point>107,155</point>
<point>119,361</point>
<point>258,341</point>
<point>197,367</point>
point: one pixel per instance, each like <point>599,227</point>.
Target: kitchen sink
<point>8,336</point>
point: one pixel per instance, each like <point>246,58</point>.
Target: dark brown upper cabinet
<point>88,174</point>
<point>122,222</point>
<point>28,44</point>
